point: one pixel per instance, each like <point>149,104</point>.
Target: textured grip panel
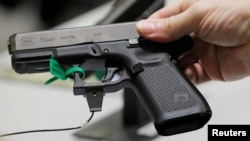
<point>172,101</point>
<point>168,89</point>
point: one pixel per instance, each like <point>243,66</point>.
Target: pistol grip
<point>172,101</point>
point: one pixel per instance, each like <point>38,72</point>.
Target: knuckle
<point>170,27</point>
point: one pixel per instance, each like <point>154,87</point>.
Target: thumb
<point>168,29</point>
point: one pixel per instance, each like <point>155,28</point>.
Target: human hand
<point>221,31</point>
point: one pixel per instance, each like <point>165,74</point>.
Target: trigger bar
<point>95,92</point>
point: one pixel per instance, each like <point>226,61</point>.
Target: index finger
<point>172,9</point>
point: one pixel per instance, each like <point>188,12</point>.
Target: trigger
<point>110,74</point>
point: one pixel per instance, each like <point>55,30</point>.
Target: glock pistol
<point>150,69</point>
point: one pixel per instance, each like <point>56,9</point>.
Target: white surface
<point>28,106</point>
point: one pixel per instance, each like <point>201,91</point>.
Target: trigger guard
<point>111,85</point>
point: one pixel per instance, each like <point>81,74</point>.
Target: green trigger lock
<point>57,70</point>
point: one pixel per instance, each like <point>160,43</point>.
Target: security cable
<point>50,130</point>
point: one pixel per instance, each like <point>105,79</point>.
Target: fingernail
<point>189,73</point>
<point>146,26</point>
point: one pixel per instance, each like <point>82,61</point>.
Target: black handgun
<point>150,69</point>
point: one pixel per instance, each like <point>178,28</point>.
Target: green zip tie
<point>57,70</point>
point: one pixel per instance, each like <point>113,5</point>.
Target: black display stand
<point>130,124</point>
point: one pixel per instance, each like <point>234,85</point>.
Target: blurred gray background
<point>32,15</point>
<point>20,18</point>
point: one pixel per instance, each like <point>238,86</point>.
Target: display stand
<point>130,124</point>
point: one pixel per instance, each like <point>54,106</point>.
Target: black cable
<point>50,130</point>
<point>45,130</point>
<point>90,117</point>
